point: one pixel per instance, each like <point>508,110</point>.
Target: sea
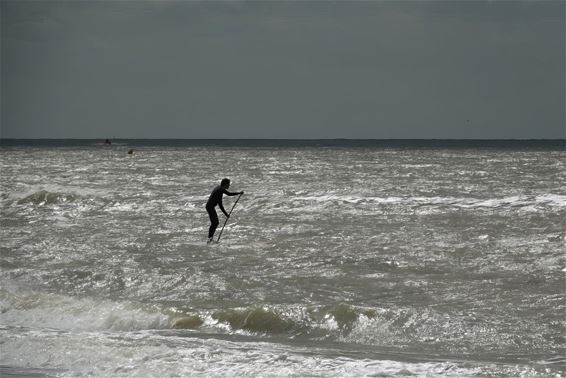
<point>341,259</point>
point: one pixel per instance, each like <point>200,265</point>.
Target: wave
<point>314,203</point>
<point>307,321</point>
<point>32,309</point>
<point>257,320</point>
<point>54,311</point>
<point>372,326</point>
<point>43,310</point>
<point>422,329</point>
<point>43,197</point>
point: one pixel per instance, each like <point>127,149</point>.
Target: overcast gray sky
<point>301,69</point>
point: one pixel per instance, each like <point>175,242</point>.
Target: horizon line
<point>297,139</point>
<point>546,144</point>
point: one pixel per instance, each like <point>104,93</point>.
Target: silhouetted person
<point>108,142</point>
<point>216,199</point>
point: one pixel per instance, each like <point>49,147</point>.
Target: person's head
<point>225,183</point>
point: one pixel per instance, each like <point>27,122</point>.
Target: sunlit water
<point>335,262</point>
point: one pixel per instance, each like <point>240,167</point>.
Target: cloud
<point>283,69</point>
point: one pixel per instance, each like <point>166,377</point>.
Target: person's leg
<point>213,222</point>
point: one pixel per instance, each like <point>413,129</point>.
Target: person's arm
<point>222,208</point>
<point>232,194</point>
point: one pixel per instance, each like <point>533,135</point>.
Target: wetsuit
<point>216,199</point>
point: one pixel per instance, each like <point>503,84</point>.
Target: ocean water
<point>336,262</point>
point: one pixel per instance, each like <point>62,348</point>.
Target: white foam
<point>519,200</point>
<point>39,310</point>
<point>553,199</point>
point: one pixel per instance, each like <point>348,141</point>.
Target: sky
<point>451,69</point>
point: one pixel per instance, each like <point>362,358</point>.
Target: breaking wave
<point>33,309</point>
<point>307,321</point>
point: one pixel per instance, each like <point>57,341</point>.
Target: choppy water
<point>336,262</point>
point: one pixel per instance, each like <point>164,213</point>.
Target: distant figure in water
<point>131,151</point>
<point>216,199</point>
<point>107,141</point>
